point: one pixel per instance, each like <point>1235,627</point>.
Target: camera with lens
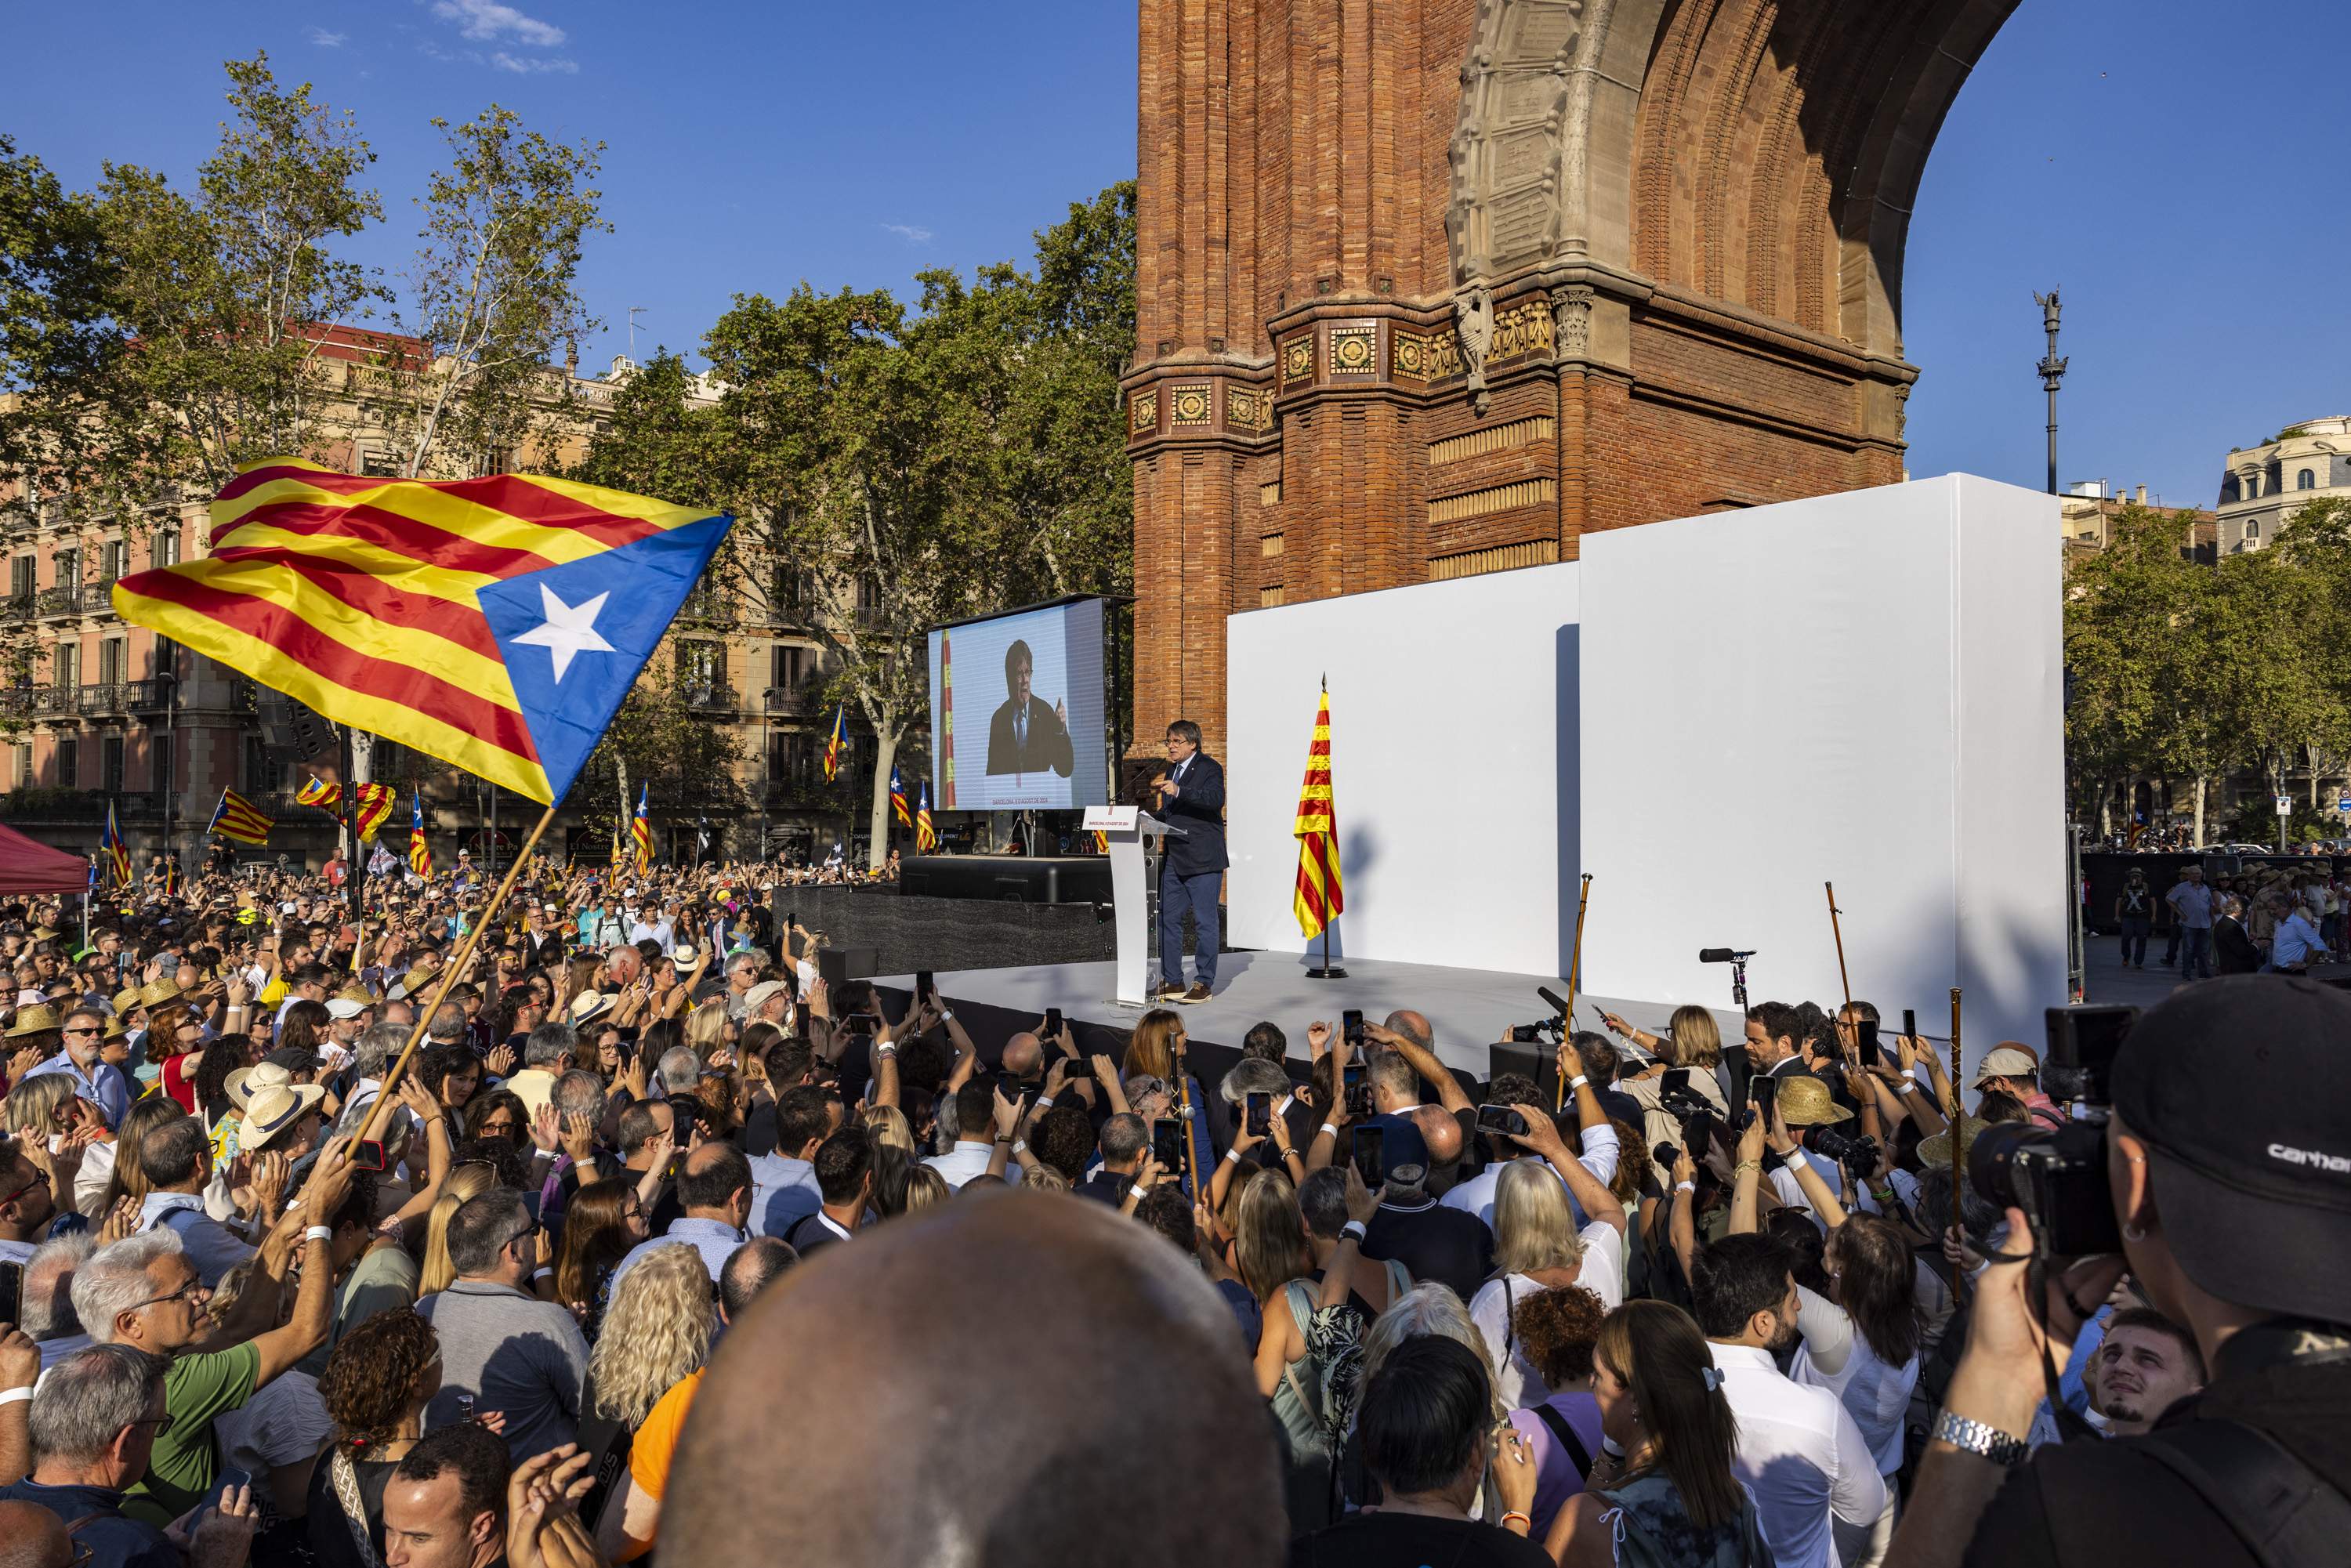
<point>1551,1029</point>
<point>2057,1176</point>
<point>1854,1152</point>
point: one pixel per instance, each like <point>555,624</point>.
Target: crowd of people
<point>2268,919</point>
<point>285,1294</point>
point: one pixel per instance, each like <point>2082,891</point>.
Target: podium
<point>1135,840</point>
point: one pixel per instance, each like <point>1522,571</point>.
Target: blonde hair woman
<point>706,1028</point>
<point>1151,1054</point>
<point>469,1180</point>
<point>1538,1247</point>
<point>888,1127</point>
<point>66,1136</point>
<point>1693,1041</point>
<point>926,1188</point>
<point>650,1356</point>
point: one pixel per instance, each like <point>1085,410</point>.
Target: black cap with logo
<point>2241,1087</point>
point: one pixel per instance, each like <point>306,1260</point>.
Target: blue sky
<point>2181,198</point>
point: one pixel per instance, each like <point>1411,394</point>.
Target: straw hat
<point>1806,1103</point>
<point>127,1002</point>
<point>44,934</point>
<point>35,1019</point>
<point>246,1082</point>
<point>274,1111</point>
<point>1937,1150</point>
<point>161,990</point>
<point>589,1006</point>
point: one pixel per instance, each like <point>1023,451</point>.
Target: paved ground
<point>2108,981</point>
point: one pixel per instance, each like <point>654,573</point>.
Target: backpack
<point>1651,1530</point>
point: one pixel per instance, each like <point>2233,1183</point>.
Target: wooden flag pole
<point>449,973</point>
<point>1838,932</point>
<point>1575,977</point>
<point>1958,1122</point>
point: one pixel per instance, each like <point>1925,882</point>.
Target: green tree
<point>491,294</point>
<point>58,335</point>
<point>222,297</point>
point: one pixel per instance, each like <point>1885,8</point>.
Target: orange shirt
<point>657,1440</point>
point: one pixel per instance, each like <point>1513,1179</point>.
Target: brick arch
<point>1764,153</point>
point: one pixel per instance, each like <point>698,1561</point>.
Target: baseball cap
<point>2007,1061</point>
<point>2254,1183</point>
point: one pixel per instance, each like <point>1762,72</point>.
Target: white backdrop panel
<point>1453,764</point>
<point>1863,689</point>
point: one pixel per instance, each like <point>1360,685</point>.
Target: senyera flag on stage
<point>496,623</point>
<point>1319,895</point>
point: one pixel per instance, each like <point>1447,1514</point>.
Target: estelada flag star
<point>495,624</point>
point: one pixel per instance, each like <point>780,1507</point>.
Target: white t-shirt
<point>1516,1382</point>
<point>1836,1357</point>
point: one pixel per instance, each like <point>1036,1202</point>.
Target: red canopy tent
<point>27,866</point>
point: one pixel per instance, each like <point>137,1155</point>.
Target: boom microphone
<point>1547,994</point>
<point>1722,955</point>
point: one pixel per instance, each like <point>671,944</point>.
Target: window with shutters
<point>165,549</point>
<point>66,665</point>
<point>112,659</point>
<point>69,763</point>
<point>110,752</point>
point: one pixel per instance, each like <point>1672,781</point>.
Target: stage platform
<point>1469,1009</point>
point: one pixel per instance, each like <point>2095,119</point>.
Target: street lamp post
<point>2052,370</point>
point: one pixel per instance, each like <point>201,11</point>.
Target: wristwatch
<point>1975,1437</point>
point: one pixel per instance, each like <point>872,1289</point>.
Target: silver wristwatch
<point>1975,1437</point>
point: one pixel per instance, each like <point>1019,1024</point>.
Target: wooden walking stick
<point>449,973</point>
<point>1838,932</point>
<point>1575,977</point>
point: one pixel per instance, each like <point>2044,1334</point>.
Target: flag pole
<point>1574,978</point>
<point>1837,931</point>
<point>1329,971</point>
<point>449,973</point>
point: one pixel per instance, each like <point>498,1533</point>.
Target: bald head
<point>1020,1055</point>
<point>1441,1130</point>
<point>33,1537</point>
<point>1412,1027</point>
<point>1025,1462</point>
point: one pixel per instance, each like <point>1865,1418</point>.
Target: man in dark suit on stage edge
<point>1025,735</point>
<point>1190,794</point>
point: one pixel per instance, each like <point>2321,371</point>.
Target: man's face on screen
<point>1179,748</point>
<point>1020,681</point>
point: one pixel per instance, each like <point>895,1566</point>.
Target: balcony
<point>19,607</point>
<point>107,699</point>
<point>43,804</point>
<point>709,697</point>
<point>63,599</point>
<point>785,702</point>
<point>149,695</point>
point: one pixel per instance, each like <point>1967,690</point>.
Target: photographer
<point>2235,1219</point>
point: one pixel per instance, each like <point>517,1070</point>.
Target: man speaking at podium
<point>1191,796</point>
<point>1025,735</point>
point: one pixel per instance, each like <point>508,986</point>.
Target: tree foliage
<point>491,294</point>
<point>2193,673</point>
<point>892,467</point>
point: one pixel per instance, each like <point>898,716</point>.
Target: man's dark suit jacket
<point>1199,808</point>
<point>1049,741</point>
<point>2233,952</point>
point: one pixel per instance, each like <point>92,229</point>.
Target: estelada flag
<point>117,853</point>
<point>375,807</point>
<point>641,829</point>
<point>238,818</point>
<point>419,849</point>
<point>926,837</point>
<point>835,743</point>
<point>317,791</point>
<point>898,799</point>
<point>1320,894</point>
<point>494,622</point>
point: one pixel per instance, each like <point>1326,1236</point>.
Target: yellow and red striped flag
<point>375,809</point>
<point>238,818</point>
<point>317,791</point>
<point>1320,894</point>
<point>493,622</point>
<point>836,743</point>
<point>926,834</point>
